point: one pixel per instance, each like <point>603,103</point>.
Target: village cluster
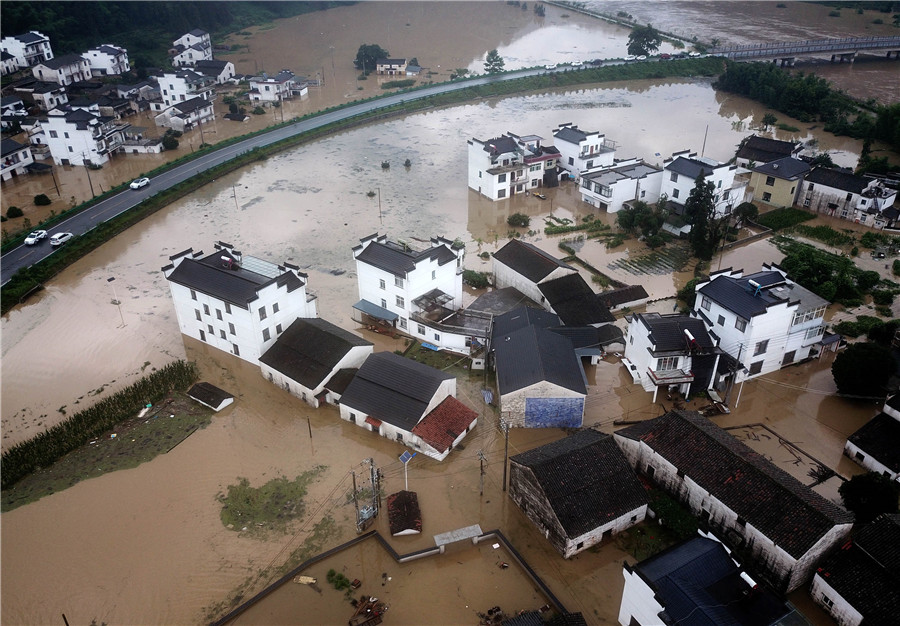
<point>534,328</point>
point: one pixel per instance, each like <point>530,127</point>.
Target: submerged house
<point>876,445</point>
<point>507,165</point>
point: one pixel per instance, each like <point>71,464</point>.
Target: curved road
<point>25,256</point>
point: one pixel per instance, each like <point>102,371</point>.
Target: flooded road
<point>146,545</point>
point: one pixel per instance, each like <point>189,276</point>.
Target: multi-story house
<point>583,151</point>
<point>220,71</point>
<point>618,186</point>
<point>845,195</point>
<point>391,67</point>
<point>777,183</point>
<point>82,136</point>
<point>47,96</point>
<point>183,116</point>
<point>15,159</point>
<point>9,63</point>
<point>107,60</point>
<point>238,304</point>
<point>504,166</point>
<point>191,47</point>
<point>29,49</point>
<point>525,267</point>
<point>680,174</point>
<point>181,86</point>
<point>764,320</point>
<point>755,150</point>
<point>281,86</point>
<point>775,524</point>
<point>64,70</point>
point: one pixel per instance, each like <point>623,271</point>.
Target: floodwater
<point>146,545</point>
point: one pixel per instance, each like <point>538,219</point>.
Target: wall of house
<point>543,405</point>
<point>505,276</point>
<point>806,565</point>
<point>722,179</point>
<point>353,359</point>
<point>417,443</point>
<point>459,342</point>
<point>78,147</point>
<point>781,192</point>
<point>595,536</point>
<point>584,156</point>
<point>640,603</point>
<point>833,603</point>
<point>528,495</point>
<point>867,461</point>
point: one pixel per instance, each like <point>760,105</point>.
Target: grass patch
<point>779,219</point>
<point>399,84</point>
<point>137,441</point>
<point>268,507</point>
<point>444,361</point>
<point>825,234</point>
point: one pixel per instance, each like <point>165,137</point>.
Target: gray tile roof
<point>522,317</point>
<point>58,62</point>
<point>586,480</point>
<point>572,134</point>
<point>531,355</point>
<point>786,511</point>
<point>845,181</point>
<point>740,297</point>
<point>31,37</point>
<point>879,438</point>
<point>188,106</point>
<point>763,149</point>
<point>692,168</point>
<point>528,260</point>
<point>787,168</point>
<point>391,258</point>
<point>8,146</point>
<point>666,332</point>
<point>393,389</point>
<point>501,145</point>
<point>623,295</point>
<point>310,349</point>
<point>574,301</point>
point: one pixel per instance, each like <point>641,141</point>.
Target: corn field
<point>51,445</point>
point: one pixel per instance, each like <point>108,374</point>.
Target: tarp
<point>375,311</point>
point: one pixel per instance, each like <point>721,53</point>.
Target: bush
<point>518,219</point>
<point>258,111</point>
<point>40,200</point>
<point>784,218</point>
<point>896,268</point>
<point>14,211</point>
<point>399,84</point>
<point>863,369</point>
<point>883,297</point>
<point>169,142</point>
<point>478,280</point>
<point>854,251</point>
<point>869,495</point>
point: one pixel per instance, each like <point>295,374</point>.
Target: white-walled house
<point>764,320</point>
<point>618,186</point>
<point>183,116</point>
<point>309,354</point>
<point>107,60</point>
<point>29,49</point>
<point>671,351</point>
<point>857,584</point>
<point>282,86</point>
<point>876,445</point>
<point>15,159</point>
<point>181,86</point>
<point>9,63</point>
<point>524,266</point>
<point>219,71</point>
<point>82,136</point>
<point>583,151</point>
<point>504,166</point>
<point>409,402</point>
<point>755,150</point>
<point>391,67</point>
<point>64,70</point>
<point>577,491</point>
<point>238,304</point>
<point>191,47</point>
<point>843,194</point>
<point>781,527</point>
<point>680,174</point>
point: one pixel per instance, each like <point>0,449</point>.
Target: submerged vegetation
<point>271,506</point>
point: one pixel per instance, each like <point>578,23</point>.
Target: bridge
<point>787,52</point>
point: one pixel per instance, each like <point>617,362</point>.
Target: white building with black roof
<point>183,116</point>
<point>843,194</point>
<point>524,266</point>
<point>81,136</point>
<point>620,185</point>
<point>238,304</point>
<point>680,175</point>
<point>220,71</point>
<point>504,166</point>
<point>764,320</point>
<point>107,60</point>
<point>755,150</point>
<point>29,49</point>
<point>876,445</point>
<point>583,151</point>
<point>577,491</point>
<point>15,159</point>
<point>191,47</point>
<point>308,354</point>
<point>63,70</point>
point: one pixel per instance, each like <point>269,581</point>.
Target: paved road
<point>25,256</point>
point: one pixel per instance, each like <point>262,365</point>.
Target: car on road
<point>665,57</point>
<point>693,54</point>
<point>139,182</point>
<point>550,66</point>
<point>642,57</point>
<point>630,57</point>
<point>35,237</point>
<point>60,238</point>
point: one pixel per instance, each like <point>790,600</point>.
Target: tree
<point>169,142</point>
<point>700,213</point>
<point>493,63</point>
<point>746,211</point>
<point>643,40</point>
<point>863,369</point>
<point>769,119</point>
<point>644,219</point>
<point>869,495</point>
<point>518,219</point>
<point>368,55</point>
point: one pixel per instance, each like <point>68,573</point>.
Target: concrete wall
<point>781,192</point>
<point>353,359</point>
<point>543,405</point>
<point>831,601</point>
<point>639,602</point>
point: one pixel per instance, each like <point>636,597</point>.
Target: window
<point>580,545</point>
<point>534,182</point>
<point>535,168</point>
<point>278,329</point>
<point>590,164</point>
<point>231,328</point>
<point>761,347</point>
<point>266,335</point>
<point>705,303</point>
<point>383,303</point>
<point>218,314</point>
<point>810,187</point>
<point>401,302</point>
<point>849,195</point>
<point>262,313</point>
<point>381,284</point>
<point>634,518</point>
<point>501,193</point>
<point>237,351</point>
<point>54,134</point>
<point>741,521</point>
<point>197,314</point>
<point>433,274</point>
<point>202,336</point>
<point>206,309</point>
<point>770,181</point>
<point>353,417</point>
<point>674,177</point>
<point>756,368</point>
<point>420,329</point>
<point>398,282</point>
<point>740,324</point>
<point>479,173</point>
<point>437,337</point>
<point>193,295</point>
<point>66,135</point>
<point>571,161</point>
<point>679,473</point>
<point>719,185</point>
<point>721,320</point>
<point>275,308</point>
<point>228,308</point>
<point>812,333</point>
<point>403,323</point>
<point>222,334</point>
<point>828,602</point>
<point>651,471</point>
<point>767,197</point>
<point>675,193</point>
<point>399,436</point>
<point>501,178</point>
<point>667,363</point>
<point>210,329</point>
<point>860,456</point>
<point>725,194</point>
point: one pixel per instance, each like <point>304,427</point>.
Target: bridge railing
<point>810,45</point>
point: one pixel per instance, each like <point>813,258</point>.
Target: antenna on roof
<point>756,286</point>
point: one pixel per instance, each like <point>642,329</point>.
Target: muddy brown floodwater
<point>146,545</point>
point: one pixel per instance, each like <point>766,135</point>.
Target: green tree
<point>869,495</point>
<point>169,142</point>
<point>769,119</point>
<point>643,40</point>
<point>493,63</point>
<point>367,56</point>
<point>863,369</point>
<point>746,211</point>
<point>518,219</point>
<point>700,213</point>
<point>644,219</point>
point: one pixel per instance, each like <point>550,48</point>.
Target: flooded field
<point>147,545</point>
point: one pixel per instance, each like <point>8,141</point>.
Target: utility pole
<point>734,371</point>
<point>505,454</point>
<point>234,193</point>
<point>355,501</point>
<point>87,170</point>
<point>374,475</point>
<point>481,461</point>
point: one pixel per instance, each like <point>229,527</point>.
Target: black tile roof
<point>586,480</point>
<point>391,258</point>
<point>574,301</point>
<point>737,295</point>
<point>342,378</point>
<point>522,317</point>
<point>763,149</point>
<point>528,260</point>
<point>697,583</point>
<point>531,355</point>
<point>866,571</point>
<point>787,512</point>
<point>667,331</point>
<point>208,394</point>
<point>193,104</point>
<point>501,145</point>
<point>31,37</point>
<point>691,168</point>
<point>309,350</point>
<point>623,295</point>
<point>393,389</point>
<point>880,439</point>
<point>61,61</point>
<point>787,168</point>
<point>572,134</point>
<point>8,146</point>
<point>846,181</point>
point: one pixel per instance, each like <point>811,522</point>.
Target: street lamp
<point>116,300</point>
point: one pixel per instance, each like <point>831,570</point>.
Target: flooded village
<point>514,440</point>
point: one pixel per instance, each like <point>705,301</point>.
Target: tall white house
<point>582,150</point>
<point>509,164</point>
<point>82,136</point>
<point>191,47</point>
<point>64,70</point>
<point>680,174</point>
<point>28,49</point>
<point>627,181</point>
<point>183,85</point>
<point>238,304</point>
<point>107,60</point>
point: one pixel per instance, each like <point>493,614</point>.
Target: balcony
<point>670,377</point>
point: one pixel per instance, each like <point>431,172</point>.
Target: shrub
<point>169,142</point>
<point>399,84</point>
<point>258,111</point>
<point>784,218</point>
<point>882,297</point>
<point>478,280</point>
<point>14,211</point>
<point>896,267</point>
<point>40,200</point>
<point>854,251</point>
<point>518,219</point>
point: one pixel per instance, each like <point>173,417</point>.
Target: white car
<point>60,238</point>
<point>641,57</point>
<point>35,237</point>
<point>550,66</point>
<point>694,54</point>
<point>139,182</point>
<point>630,57</point>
